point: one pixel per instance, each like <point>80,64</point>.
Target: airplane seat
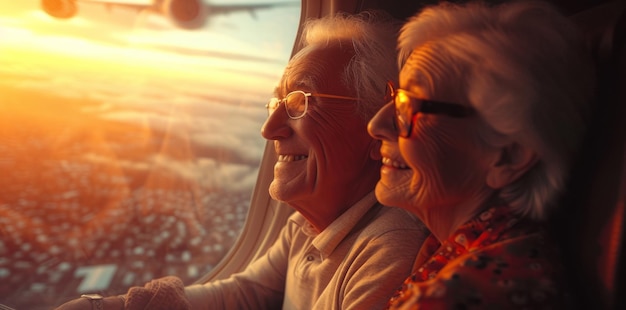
<point>590,223</point>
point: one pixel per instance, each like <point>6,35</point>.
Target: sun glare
<point>81,46</point>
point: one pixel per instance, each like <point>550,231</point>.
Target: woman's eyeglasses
<point>297,103</point>
<point>408,104</point>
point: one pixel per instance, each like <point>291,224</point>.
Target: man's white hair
<point>372,35</point>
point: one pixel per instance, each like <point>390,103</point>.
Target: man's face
<point>324,163</point>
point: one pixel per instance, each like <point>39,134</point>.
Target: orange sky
<point>99,41</point>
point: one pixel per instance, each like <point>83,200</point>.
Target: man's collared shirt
<point>357,262</point>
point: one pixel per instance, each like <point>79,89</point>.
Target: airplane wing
<point>134,4</point>
<point>139,3</point>
<point>67,8</point>
<point>186,14</point>
<point>215,9</point>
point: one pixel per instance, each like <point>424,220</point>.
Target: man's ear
<point>375,149</point>
<point>513,161</point>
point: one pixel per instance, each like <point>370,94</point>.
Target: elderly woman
<point>477,141</point>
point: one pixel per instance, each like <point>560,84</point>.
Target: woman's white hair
<point>373,36</point>
<point>524,68</point>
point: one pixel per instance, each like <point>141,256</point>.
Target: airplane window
<point>129,138</point>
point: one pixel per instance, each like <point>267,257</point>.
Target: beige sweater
<point>355,263</point>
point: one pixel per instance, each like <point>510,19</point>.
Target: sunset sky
<point>235,47</point>
<point>208,86</point>
<point>115,113</point>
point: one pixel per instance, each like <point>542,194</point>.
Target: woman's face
<point>440,165</point>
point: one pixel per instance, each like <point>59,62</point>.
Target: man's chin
<point>275,193</point>
<point>280,191</point>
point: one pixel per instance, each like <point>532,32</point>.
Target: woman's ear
<point>375,149</point>
<point>513,161</point>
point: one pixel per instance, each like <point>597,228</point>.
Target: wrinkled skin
<point>440,172</point>
<point>326,160</point>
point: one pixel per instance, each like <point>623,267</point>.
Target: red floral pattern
<point>494,261</point>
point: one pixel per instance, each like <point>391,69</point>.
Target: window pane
<point>129,147</point>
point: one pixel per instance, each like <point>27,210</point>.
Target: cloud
<point>208,173</point>
<point>203,90</point>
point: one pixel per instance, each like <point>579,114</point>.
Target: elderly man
<point>339,251</point>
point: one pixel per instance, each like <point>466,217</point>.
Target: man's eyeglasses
<point>408,104</point>
<point>297,103</point>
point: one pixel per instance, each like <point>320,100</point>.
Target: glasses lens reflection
<point>296,103</point>
<point>272,106</point>
<point>404,113</point>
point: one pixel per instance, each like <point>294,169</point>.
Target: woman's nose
<point>382,125</point>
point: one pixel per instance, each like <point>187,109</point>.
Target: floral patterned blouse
<point>494,261</point>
